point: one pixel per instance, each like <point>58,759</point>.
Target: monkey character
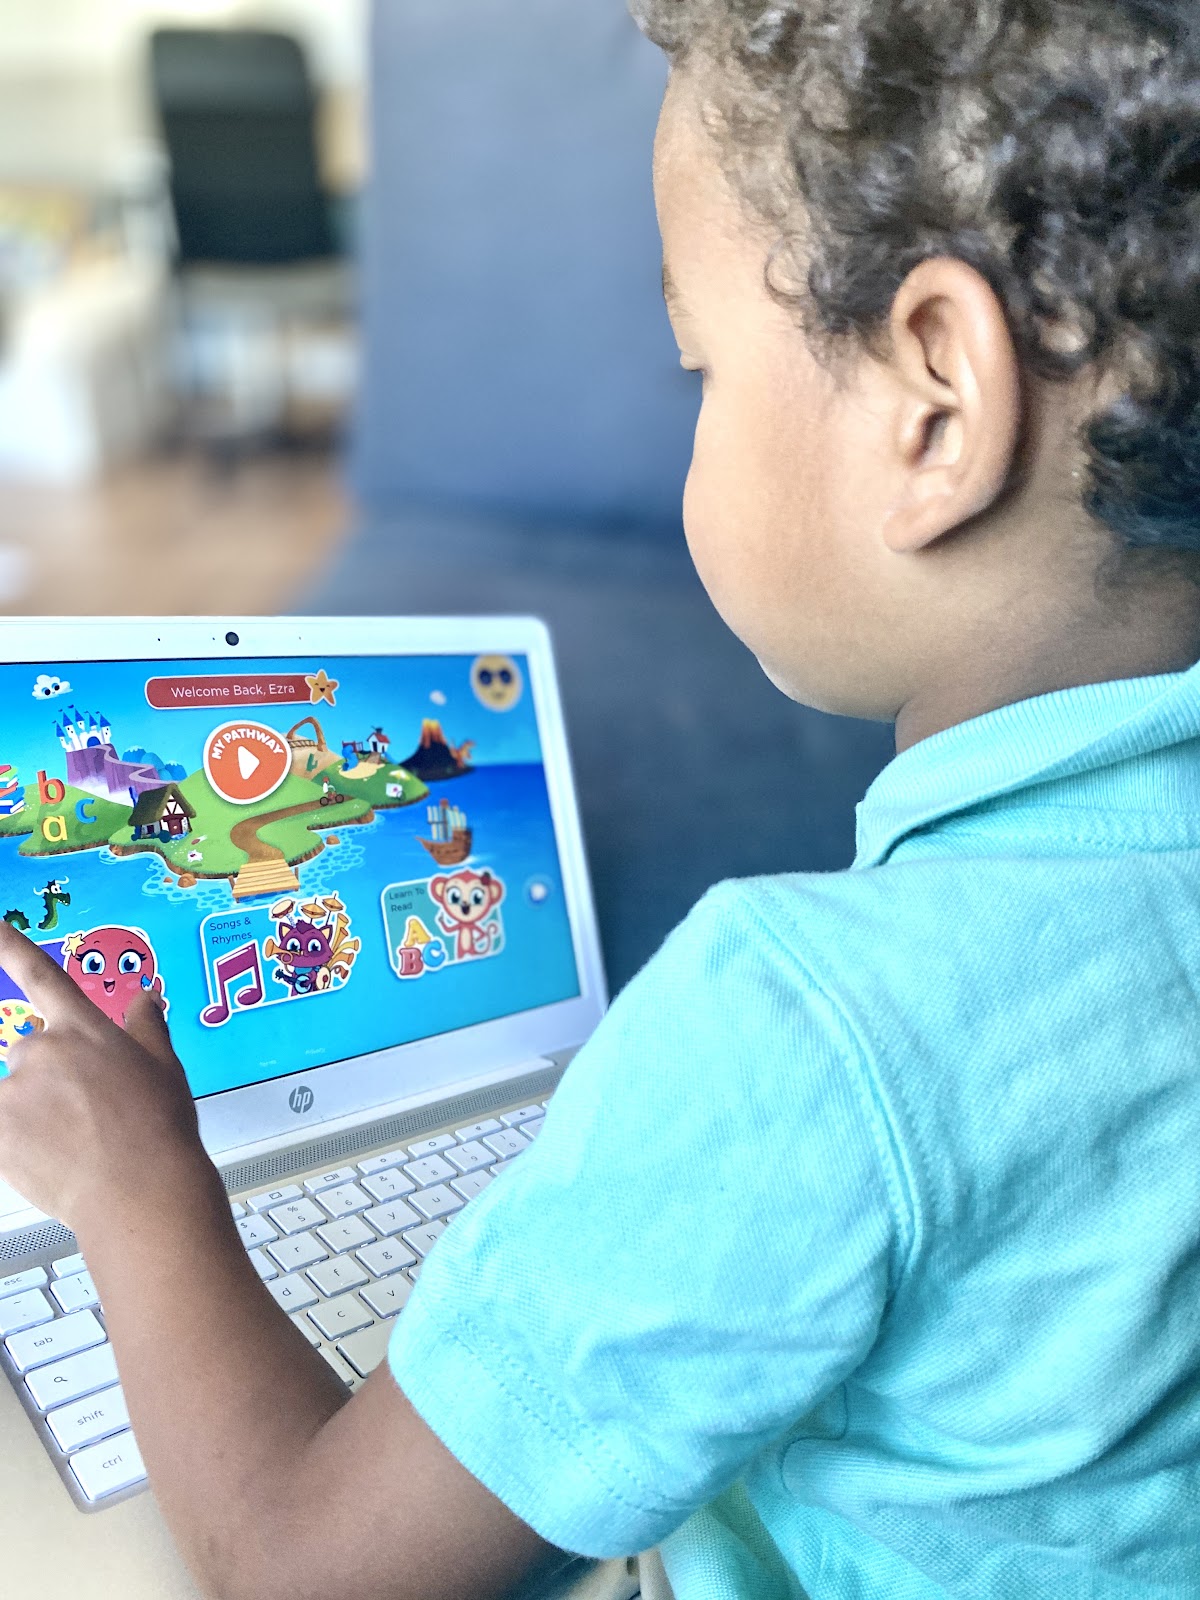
<point>465,900</point>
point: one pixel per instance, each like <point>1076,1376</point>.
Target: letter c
<point>83,812</point>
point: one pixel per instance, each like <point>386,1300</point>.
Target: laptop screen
<point>310,860</point>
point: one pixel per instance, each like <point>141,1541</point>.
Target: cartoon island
<point>135,803</point>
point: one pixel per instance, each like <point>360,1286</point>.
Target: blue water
<point>509,811</point>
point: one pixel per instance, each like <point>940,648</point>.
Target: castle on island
<point>93,763</point>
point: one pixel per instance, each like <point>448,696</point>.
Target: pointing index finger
<point>39,976</point>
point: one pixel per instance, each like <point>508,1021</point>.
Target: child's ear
<point>958,404</point>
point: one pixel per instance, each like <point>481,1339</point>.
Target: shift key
<point>66,1337</point>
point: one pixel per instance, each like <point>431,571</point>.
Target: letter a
<point>54,830</point>
<point>51,790</point>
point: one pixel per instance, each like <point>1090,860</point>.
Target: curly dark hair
<point>1052,144</point>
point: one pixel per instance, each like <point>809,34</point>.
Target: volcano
<point>435,758</point>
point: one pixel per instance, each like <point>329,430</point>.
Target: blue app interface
<point>307,859</point>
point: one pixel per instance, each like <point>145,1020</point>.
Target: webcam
<point>232,638</point>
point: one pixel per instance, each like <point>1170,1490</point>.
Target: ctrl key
<point>107,1468</point>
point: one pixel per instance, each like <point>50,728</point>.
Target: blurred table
<point>83,369</point>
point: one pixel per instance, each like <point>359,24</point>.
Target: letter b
<point>52,791</point>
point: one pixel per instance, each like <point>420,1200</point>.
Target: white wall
<point>73,102</point>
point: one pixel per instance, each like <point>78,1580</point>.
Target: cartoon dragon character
<point>312,947</point>
<point>466,899</point>
<point>53,896</point>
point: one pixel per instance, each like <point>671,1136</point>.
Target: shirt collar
<point>1097,743</point>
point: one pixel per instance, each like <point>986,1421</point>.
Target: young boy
<point>884,1278</point>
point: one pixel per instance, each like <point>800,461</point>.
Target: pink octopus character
<point>112,966</point>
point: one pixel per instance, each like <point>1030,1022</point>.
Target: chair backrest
<point>238,114</point>
<point>518,356</point>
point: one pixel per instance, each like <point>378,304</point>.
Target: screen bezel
<point>261,1117</point>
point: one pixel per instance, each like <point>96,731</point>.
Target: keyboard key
<point>296,1216</point>
<point>18,1282</point>
<point>275,1197</point>
<point>385,1256</point>
<point>532,1129</point>
<point>334,1277</point>
<point>345,1235</point>
<point>238,1210</point>
<point>298,1252</point>
<point>263,1265</point>
<point>431,1147</point>
<point>345,1201</point>
<point>330,1180</point>
<point>364,1351</point>
<point>22,1311</point>
<point>422,1240</point>
<point>388,1185</point>
<point>381,1163</point>
<point>345,1372</point>
<point>71,1379</point>
<point>437,1202</point>
<point>471,1184</point>
<point>413,1273</point>
<point>88,1420</point>
<point>107,1468</point>
<point>430,1169</point>
<point>255,1231</point>
<point>508,1142</point>
<point>346,1314</point>
<point>66,1265</point>
<point>514,1119</point>
<point>389,1219</point>
<point>62,1338</point>
<point>306,1328</point>
<point>76,1293</point>
<point>293,1293</point>
<point>477,1129</point>
<point>385,1299</point>
<point>470,1157</point>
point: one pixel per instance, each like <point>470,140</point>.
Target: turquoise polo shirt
<point>859,1257</point>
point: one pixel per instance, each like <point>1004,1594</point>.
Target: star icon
<point>320,687</point>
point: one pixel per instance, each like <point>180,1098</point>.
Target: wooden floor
<point>177,536</point>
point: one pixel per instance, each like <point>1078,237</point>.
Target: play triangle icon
<point>248,762</point>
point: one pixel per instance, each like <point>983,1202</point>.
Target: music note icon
<point>237,964</point>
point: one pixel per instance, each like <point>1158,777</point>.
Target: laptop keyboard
<point>339,1251</point>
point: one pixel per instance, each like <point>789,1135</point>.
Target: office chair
<point>258,255</point>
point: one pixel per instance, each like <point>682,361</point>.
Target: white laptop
<point>347,853</point>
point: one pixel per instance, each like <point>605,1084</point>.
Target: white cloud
<point>438,698</point>
<point>46,687</point>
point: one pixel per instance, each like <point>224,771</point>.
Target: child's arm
<point>272,1482</point>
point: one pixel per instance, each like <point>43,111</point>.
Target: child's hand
<point>89,1111</point>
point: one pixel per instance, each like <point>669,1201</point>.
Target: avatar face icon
<point>112,966</point>
<point>497,682</point>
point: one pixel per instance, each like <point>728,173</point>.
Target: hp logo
<point>301,1099</point>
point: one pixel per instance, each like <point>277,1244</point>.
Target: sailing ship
<point>452,837</point>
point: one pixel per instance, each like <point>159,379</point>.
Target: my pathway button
<point>246,761</point>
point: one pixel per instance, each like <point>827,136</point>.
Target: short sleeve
<point>696,1251</point>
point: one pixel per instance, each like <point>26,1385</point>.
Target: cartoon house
<point>162,814</point>
<point>378,743</point>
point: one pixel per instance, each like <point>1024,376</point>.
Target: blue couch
<point>524,435</point>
